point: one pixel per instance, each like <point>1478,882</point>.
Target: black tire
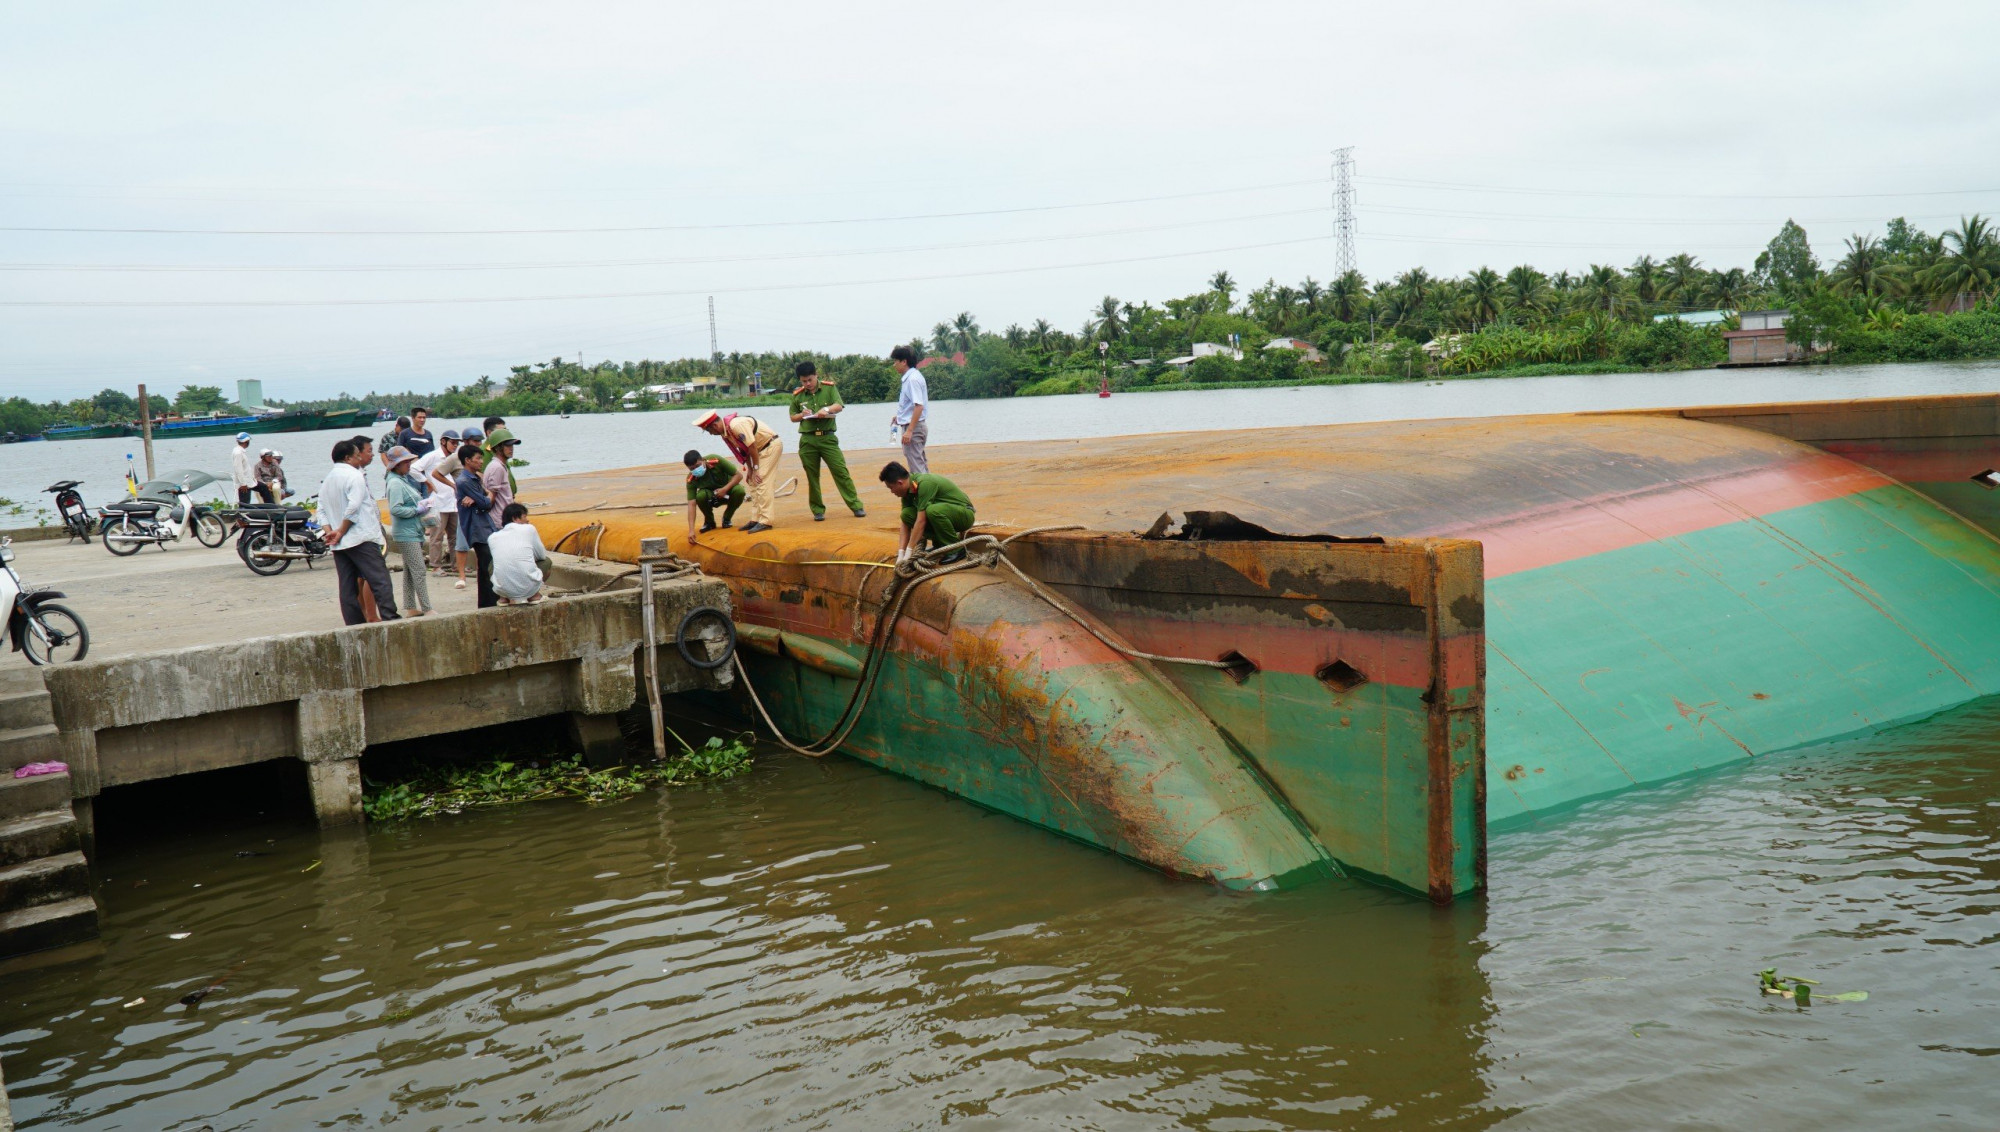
<point>121,549</point>
<point>268,567</point>
<point>209,530</point>
<point>80,528</point>
<point>728,637</point>
<point>65,632</point>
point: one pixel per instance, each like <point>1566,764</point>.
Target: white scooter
<point>46,632</point>
<point>132,523</point>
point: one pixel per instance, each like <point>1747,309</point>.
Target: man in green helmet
<point>935,512</point>
<point>712,478</point>
<point>814,405</point>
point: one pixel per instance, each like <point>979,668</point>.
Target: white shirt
<point>915,391</point>
<point>517,549</point>
<point>240,463</point>
<point>346,497</point>
<point>441,496</point>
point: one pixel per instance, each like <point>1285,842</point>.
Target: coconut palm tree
<point>1646,278</point>
<point>1680,278</point>
<point>1040,333</point>
<point>1283,299</point>
<point>1970,264</point>
<point>1310,292</point>
<point>1729,290</point>
<point>964,330</point>
<point>942,337</point>
<point>1347,295</point>
<point>1865,270</point>
<point>1014,336</point>
<point>1223,285</point>
<point>1527,289</point>
<point>1412,288</point>
<point>1106,321</point>
<point>1601,286</point>
<point>1483,296</point>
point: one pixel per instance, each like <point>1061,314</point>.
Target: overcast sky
<point>792,160</point>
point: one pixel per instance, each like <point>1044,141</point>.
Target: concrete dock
<point>196,664</point>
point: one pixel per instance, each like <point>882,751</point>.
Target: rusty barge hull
<point>1559,608</point>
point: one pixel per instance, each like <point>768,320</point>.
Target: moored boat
<point>86,431</point>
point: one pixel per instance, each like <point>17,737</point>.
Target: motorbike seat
<point>274,514</point>
<point>135,507</point>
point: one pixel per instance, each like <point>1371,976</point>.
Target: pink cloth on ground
<point>33,769</point>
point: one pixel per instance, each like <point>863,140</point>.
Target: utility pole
<point>714,352</point>
<point>1343,210</point>
<point>146,429</point>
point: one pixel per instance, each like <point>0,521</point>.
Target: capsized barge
<point>1440,624</point>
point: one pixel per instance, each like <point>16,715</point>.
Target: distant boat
<point>20,437</point>
<point>296,420</point>
<point>86,432</point>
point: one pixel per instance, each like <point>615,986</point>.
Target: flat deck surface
<point>189,595</point>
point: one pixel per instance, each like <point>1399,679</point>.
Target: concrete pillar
<point>336,791</point>
<point>85,810</point>
<point>599,737</point>
<point>332,734</point>
<point>606,682</point>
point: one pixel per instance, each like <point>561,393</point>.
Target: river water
<point>558,446</point>
<point>823,946</point>
<point>819,945</point>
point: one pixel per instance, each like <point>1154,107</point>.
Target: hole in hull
<point>1340,676</point>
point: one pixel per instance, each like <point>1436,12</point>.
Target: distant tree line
<point>1906,296</point>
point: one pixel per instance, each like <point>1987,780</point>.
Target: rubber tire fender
<point>729,638</point>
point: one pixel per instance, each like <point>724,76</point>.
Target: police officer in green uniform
<point>935,512</point>
<point>814,405</point>
<point>711,478</point>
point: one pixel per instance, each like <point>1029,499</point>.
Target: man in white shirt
<point>354,529</point>
<point>518,557</point>
<point>242,467</point>
<point>913,402</point>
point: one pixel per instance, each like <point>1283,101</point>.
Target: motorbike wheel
<point>54,635</point>
<point>80,528</point>
<point>268,567</point>
<point>209,530</point>
<point>121,549</point>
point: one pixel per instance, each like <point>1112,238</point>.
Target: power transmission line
<point>1460,187</point>
<point>658,227</point>
<point>759,257</point>
<point>644,294</point>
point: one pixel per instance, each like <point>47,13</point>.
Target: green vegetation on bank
<point>432,790</point>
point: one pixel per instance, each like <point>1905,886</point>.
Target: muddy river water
<point>820,945</point>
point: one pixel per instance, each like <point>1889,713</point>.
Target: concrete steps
<point>45,897</point>
<point>42,926</point>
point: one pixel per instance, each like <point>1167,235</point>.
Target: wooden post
<point>146,429</point>
<point>650,549</point>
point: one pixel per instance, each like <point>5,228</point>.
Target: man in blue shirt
<point>913,402</point>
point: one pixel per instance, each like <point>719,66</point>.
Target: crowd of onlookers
<point>451,508</point>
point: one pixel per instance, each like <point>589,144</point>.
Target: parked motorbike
<point>270,539</point>
<point>133,523</point>
<point>70,508</point>
<point>39,627</point>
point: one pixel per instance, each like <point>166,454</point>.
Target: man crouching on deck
<point>935,512</point>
